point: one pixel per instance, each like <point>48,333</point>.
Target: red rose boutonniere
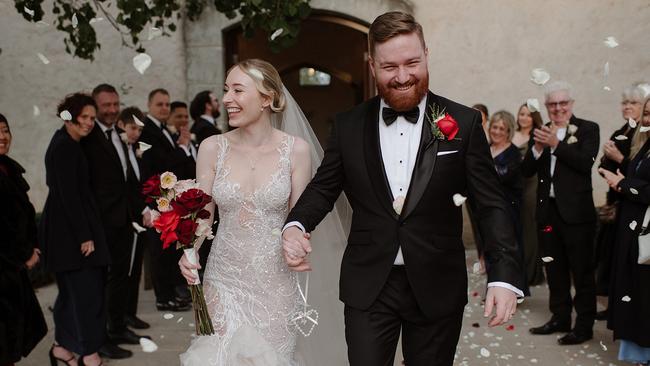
<point>443,125</point>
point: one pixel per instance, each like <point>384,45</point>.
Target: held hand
<point>503,302</point>
<point>184,137</point>
<point>613,180</point>
<point>186,269</point>
<point>295,243</point>
<point>612,152</point>
<point>304,265</point>
<point>31,262</point>
<point>87,247</point>
<point>146,219</point>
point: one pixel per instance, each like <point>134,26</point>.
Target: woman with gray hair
<point>616,156</point>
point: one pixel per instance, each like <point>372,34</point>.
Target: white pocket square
<point>441,153</point>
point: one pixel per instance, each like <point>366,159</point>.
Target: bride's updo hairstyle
<point>267,80</point>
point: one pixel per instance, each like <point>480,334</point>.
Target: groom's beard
<point>216,113</point>
<point>404,101</point>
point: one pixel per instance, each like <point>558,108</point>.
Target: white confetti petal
<point>611,42</point>
<point>633,225</point>
<point>631,122</point>
<point>191,325</point>
<point>607,88</point>
<point>66,116</point>
<point>143,146</point>
<point>459,199</point>
<point>626,298</point>
<point>547,259</point>
<point>148,346</point>
<point>138,228</point>
<point>43,58</point>
<point>141,62</point>
<point>37,111</point>
<point>137,121</point>
<point>646,89</point>
<point>154,33</point>
<point>540,76</point>
<point>485,352</point>
<point>520,300</point>
<point>95,20</point>
<point>533,360</point>
<point>277,34</point>
<point>256,73</point>
<point>634,191</point>
<point>179,320</point>
<point>476,268</point>
<point>621,137</point>
<point>644,128</point>
<point>532,104</point>
<point>603,346</point>
<point>29,11</point>
<point>75,21</point>
<point>606,69</point>
<point>168,316</point>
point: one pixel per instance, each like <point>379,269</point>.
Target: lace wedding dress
<point>250,292</point>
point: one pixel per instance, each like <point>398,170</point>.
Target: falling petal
<point>137,121</point>
<point>143,146</point>
<point>631,122</point>
<point>644,128</point>
<point>611,42</point>
<point>66,116</point>
<point>154,33</point>
<point>603,346</point>
<point>276,34</point>
<point>141,62</point>
<point>485,352</point>
<point>29,11</point>
<point>621,137</point>
<point>532,104</point>
<point>606,69</point>
<point>633,225</point>
<point>626,298</point>
<point>607,88</point>
<point>37,111</point>
<point>148,346</point>
<point>540,76</point>
<point>510,327</point>
<point>75,21</point>
<point>547,259</point>
<point>634,191</point>
<point>43,58</point>
<point>646,89</point>
<point>459,199</point>
<point>95,20</point>
<point>138,228</point>
<point>168,316</point>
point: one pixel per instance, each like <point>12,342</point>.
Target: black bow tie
<point>390,115</point>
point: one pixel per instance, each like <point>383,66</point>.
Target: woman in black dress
<point>72,239</point>
<point>22,324</point>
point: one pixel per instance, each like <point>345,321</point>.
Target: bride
<point>255,174</point>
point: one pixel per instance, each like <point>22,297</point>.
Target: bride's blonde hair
<point>267,80</point>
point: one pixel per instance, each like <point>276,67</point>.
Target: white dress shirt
<point>561,134</point>
<point>117,144</point>
<point>208,118</point>
<point>134,162</point>
<point>168,135</point>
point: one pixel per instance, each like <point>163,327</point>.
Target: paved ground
<point>479,345</point>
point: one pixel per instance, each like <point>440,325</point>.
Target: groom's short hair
<point>392,24</point>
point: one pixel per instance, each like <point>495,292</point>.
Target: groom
<point>404,266</point>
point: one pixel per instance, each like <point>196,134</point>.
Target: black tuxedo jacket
<point>203,129</point>
<point>107,178</point>
<point>136,198</point>
<point>571,178</point>
<point>164,156</point>
<point>429,228</point>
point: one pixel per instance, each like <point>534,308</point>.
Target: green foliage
<point>131,17</point>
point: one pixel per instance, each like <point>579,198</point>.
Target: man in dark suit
<point>204,110</point>
<point>562,154</point>
<point>165,154</point>
<point>399,166</point>
<point>108,169</point>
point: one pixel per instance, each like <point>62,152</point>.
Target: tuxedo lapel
<point>425,163</point>
<point>374,161</point>
<point>158,133</point>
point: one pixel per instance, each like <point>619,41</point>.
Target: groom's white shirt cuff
<point>294,223</point>
<point>508,286</point>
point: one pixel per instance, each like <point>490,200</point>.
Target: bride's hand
<point>186,270</point>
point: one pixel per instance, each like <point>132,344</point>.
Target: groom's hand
<point>503,301</point>
<point>296,247</point>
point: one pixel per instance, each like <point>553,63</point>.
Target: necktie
<point>109,134</point>
<point>390,115</point>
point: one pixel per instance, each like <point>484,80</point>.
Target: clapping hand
<point>184,136</point>
<point>612,152</point>
<point>545,137</point>
<point>296,247</point>
<point>613,180</point>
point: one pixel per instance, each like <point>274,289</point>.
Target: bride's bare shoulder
<point>211,145</point>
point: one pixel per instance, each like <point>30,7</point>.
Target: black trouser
<point>134,278</point>
<point>165,273</point>
<point>372,334</point>
<point>572,248</point>
<point>120,241</point>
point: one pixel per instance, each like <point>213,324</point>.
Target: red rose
<point>185,231</point>
<point>203,214</point>
<point>448,126</point>
<point>166,225</point>
<point>179,208</point>
<point>151,187</point>
<point>168,238</point>
<point>193,200</point>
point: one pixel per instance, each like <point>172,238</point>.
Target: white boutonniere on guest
<point>142,147</point>
<point>443,125</point>
<point>193,138</point>
<point>571,130</point>
<point>398,204</point>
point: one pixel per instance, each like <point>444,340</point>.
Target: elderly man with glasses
<point>562,155</point>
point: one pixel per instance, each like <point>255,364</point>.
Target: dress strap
<point>222,148</point>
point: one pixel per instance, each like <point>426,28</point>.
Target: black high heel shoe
<point>54,361</point>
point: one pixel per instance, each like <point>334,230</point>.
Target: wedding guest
<point>526,122</point>
<point>507,162</point>
<point>485,118</point>
<point>204,110</point>
<point>165,154</point>
<point>629,294</point>
<point>179,122</point>
<point>476,232</point>
<point>22,325</point>
<point>126,121</point>
<point>562,154</point>
<point>616,156</point>
<point>108,168</point>
<point>72,238</point>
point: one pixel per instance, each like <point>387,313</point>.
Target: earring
<point>261,109</point>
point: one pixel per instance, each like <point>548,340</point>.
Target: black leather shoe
<point>574,338</point>
<point>125,337</point>
<point>601,315</point>
<point>135,322</point>
<point>109,350</point>
<point>183,294</point>
<point>551,327</point>
<point>172,305</point>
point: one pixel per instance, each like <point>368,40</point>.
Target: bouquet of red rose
<point>181,218</point>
